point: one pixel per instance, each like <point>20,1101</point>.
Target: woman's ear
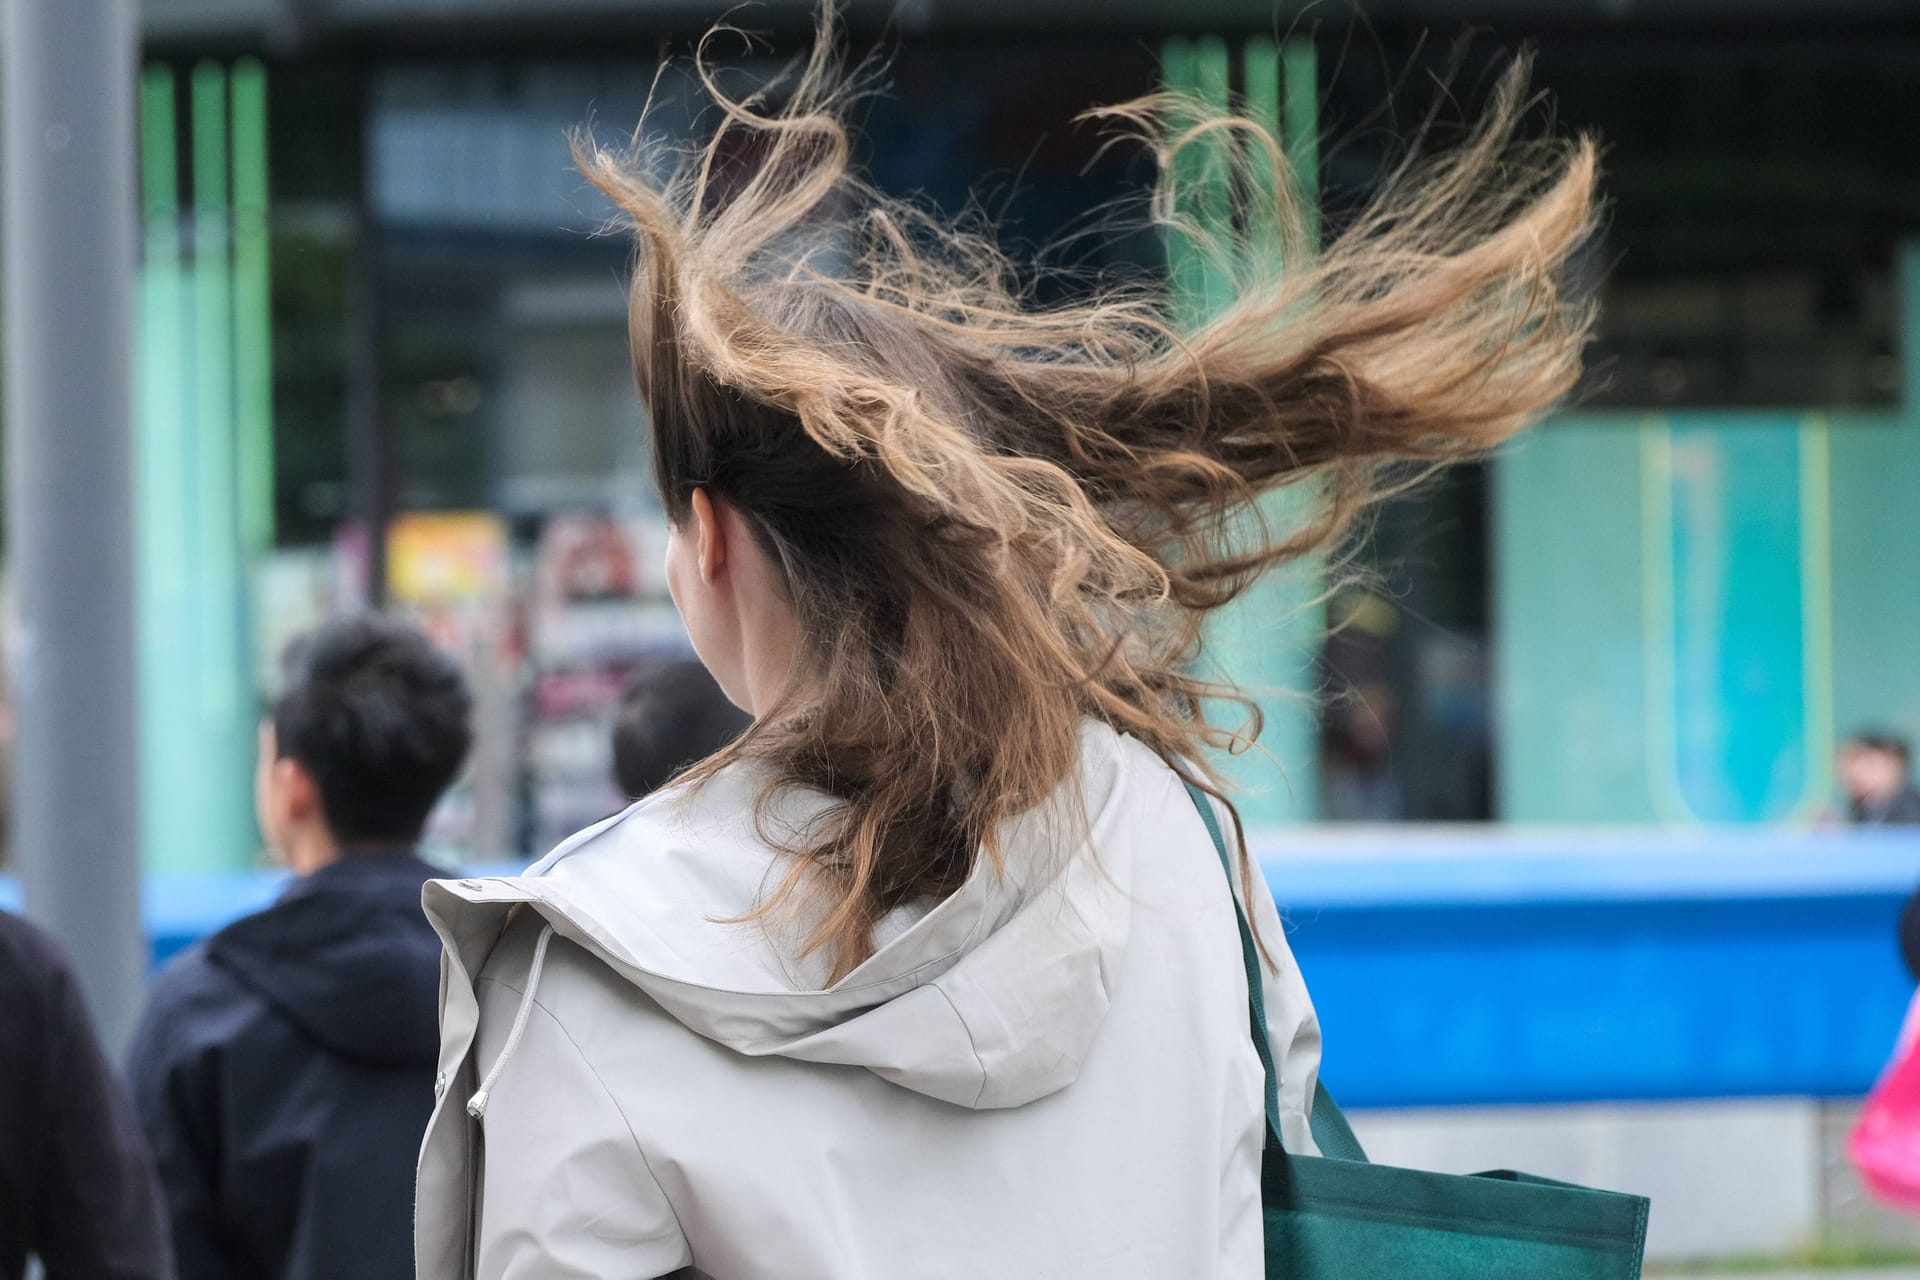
<point>710,540</point>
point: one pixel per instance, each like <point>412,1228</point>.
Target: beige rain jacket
<point>1047,1074</point>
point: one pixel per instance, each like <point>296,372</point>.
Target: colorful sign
<point>446,557</point>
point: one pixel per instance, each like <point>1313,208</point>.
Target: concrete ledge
<point>1754,1178</point>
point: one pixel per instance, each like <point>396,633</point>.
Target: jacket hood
<point>346,955</point>
<point>990,998</point>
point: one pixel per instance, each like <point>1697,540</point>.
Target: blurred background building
<point>383,359</point>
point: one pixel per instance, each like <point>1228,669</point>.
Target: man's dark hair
<point>1879,740</point>
<point>672,715</point>
<point>380,717</point>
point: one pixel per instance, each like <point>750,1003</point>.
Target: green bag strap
<point>1331,1132</point>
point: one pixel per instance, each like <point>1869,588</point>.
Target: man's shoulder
<point>188,974</point>
<point>37,987</point>
<point>192,1002</point>
<point>28,951</point>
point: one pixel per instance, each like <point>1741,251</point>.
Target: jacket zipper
<point>475,1137</point>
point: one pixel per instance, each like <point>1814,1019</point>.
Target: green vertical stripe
<point>1195,71</point>
<point>1302,134</point>
<point>1180,74</point>
<point>1267,641</point>
<point>224,833</point>
<point>1261,61</point>
<point>1665,796</point>
<point>163,485</point>
<point>1212,206</point>
<point>1816,588</point>
<point>159,177</point>
<point>1176,65</point>
<point>253,308</point>
<point>212,318</point>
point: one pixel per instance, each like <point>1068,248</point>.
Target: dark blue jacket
<point>76,1187</point>
<point>283,1072</point>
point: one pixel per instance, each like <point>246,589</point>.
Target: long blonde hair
<point>995,519</point>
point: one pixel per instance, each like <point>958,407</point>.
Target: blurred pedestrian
<point>671,715</point>
<point>284,1069</point>
<point>933,971</point>
<point>1875,771</point>
<point>77,1189</point>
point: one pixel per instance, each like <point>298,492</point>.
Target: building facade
<point>384,358</point>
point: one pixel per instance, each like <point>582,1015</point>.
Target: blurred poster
<point>446,557</point>
<point>600,609</point>
<point>589,557</point>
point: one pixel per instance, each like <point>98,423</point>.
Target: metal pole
<point>371,460</point>
<point>67,73</point>
<point>369,451</point>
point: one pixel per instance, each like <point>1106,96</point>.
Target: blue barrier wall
<point>1487,965</point>
<point>1496,966</point>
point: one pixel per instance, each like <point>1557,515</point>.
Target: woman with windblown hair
<point>933,971</point>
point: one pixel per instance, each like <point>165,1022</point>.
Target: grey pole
<point>67,70</point>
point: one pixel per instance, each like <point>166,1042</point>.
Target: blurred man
<point>76,1184</point>
<point>1874,771</point>
<point>672,715</point>
<point>284,1070</point>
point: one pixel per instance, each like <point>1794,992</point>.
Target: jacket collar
<point>362,870</point>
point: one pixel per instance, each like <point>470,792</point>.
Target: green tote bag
<point>1338,1217</point>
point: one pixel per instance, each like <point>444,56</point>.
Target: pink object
<point>1885,1145</point>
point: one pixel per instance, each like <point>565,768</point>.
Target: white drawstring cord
<point>477,1104</point>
